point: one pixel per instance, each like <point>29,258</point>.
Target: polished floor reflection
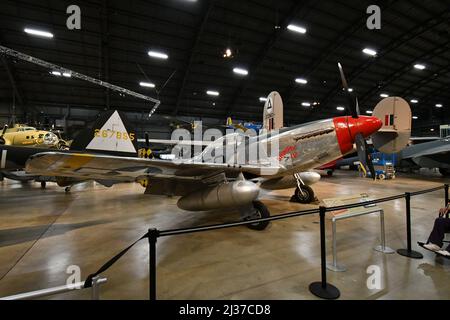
<point>43,232</point>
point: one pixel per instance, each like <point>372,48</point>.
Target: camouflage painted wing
<point>105,167</point>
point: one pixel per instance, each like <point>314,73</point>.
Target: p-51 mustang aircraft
<point>203,183</point>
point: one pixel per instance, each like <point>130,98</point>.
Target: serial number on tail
<point>109,134</point>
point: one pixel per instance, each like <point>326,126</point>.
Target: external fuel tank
<point>233,194</point>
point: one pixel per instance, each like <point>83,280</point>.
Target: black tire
<point>445,172</point>
<point>330,173</point>
<point>263,212</point>
<point>307,196</point>
<point>43,184</point>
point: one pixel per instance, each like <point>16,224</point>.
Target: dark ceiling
<point>116,36</point>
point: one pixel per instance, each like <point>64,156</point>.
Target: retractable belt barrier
<point>321,288</point>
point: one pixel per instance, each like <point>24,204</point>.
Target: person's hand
<point>443,212</point>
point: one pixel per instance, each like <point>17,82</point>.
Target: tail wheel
<point>260,211</point>
<point>306,195</point>
<point>381,176</point>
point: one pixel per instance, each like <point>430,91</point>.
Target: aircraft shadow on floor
<point>9,237</point>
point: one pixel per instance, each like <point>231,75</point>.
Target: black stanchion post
<point>446,198</point>
<point>408,252</point>
<point>323,289</point>
<point>153,235</point>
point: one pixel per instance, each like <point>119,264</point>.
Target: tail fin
<point>110,134</point>
<point>273,112</point>
<point>394,135</point>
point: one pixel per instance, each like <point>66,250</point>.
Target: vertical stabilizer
<point>273,112</point>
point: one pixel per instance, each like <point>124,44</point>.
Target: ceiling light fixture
<point>384,95</point>
<point>262,99</point>
<point>415,117</point>
<point>414,101</point>
<point>240,71</point>
<point>296,28</point>
<point>56,73</point>
<point>369,111</point>
<point>147,84</point>
<point>301,81</point>
<point>39,33</point>
<point>419,66</point>
<point>306,104</point>
<point>438,105</point>
<point>158,55</point>
<point>228,53</point>
<point>340,108</point>
<point>212,93</point>
<point>369,52</point>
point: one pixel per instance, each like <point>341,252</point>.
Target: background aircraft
<point>13,158</point>
<point>25,136</point>
<point>433,154</point>
<point>244,126</point>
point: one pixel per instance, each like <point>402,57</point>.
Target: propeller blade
<point>357,106</point>
<point>343,79</point>
<point>147,140</point>
<point>363,154</point>
<point>4,130</point>
<point>353,107</point>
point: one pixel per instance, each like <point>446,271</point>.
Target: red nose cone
<point>347,128</point>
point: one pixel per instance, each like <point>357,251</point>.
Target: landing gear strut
<point>257,210</point>
<point>303,193</point>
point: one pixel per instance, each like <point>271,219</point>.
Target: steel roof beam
<point>270,43</point>
<point>193,52</point>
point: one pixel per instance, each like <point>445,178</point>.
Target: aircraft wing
<point>427,151</point>
<point>105,167</point>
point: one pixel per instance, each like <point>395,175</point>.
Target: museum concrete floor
<point>43,232</point>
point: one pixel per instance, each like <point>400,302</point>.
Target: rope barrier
<point>322,289</point>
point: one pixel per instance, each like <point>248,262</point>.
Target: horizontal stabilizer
<point>395,114</point>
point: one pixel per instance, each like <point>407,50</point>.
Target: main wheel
<point>43,184</point>
<point>445,172</point>
<point>261,211</point>
<point>306,197</point>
